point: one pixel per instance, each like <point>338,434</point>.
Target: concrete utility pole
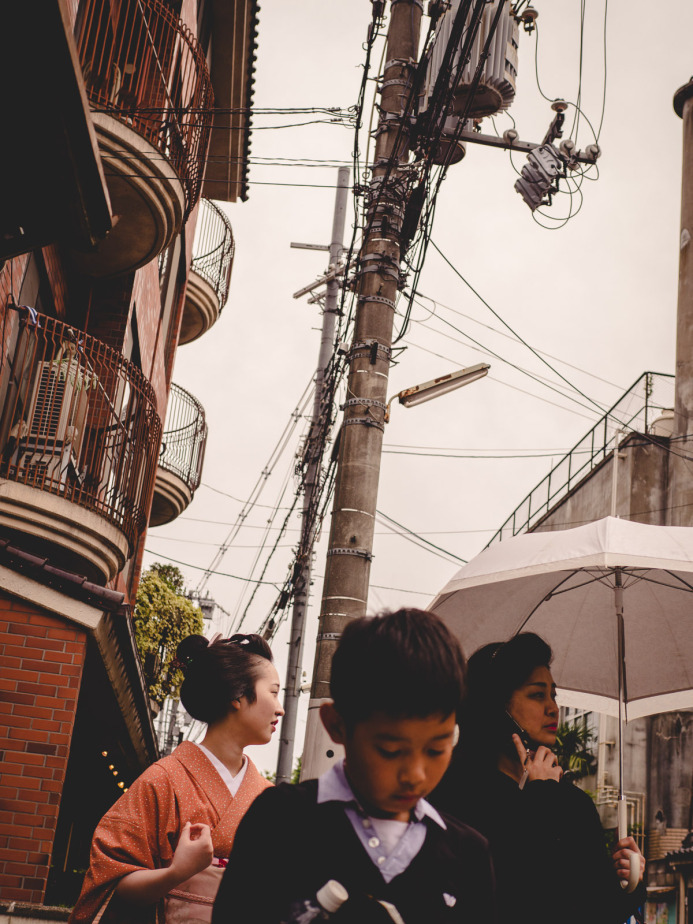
<point>313,459</point>
<point>681,470</point>
<point>347,570</point>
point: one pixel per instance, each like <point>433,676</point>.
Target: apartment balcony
<point>79,437</point>
<point>151,98</point>
<point>210,272</point>
<point>181,457</point>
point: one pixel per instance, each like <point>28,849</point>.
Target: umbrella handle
<point>631,883</point>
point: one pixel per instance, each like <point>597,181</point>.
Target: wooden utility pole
<point>313,461</point>
<point>680,468</point>
<point>347,571</point>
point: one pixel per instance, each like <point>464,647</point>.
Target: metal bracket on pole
<point>360,553</point>
<point>381,301</point>
<point>363,402</point>
<point>370,348</point>
<point>329,636</point>
<point>366,421</point>
<point>385,270</point>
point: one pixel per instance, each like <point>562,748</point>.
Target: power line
<point>236,577</point>
<point>514,339</point>
<point>522,391</point>
<point>410,534</point>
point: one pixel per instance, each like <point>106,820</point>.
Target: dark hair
<point>405,664</point>
<point>494,673</point>
<point>217,673</point>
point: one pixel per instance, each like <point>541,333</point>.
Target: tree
<point>171,575</point>
<point>572,749</point>
<point>163,617</point>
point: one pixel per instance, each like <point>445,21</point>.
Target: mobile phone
<point>514,728</point>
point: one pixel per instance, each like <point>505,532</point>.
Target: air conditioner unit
<point>57,411</point>
<point>496,89</point>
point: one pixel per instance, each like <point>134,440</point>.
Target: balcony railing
<point>634,411</point>
<point>213,249</point>
<point>144,66</point>
<point>78,420</point>
<point>185,438</point>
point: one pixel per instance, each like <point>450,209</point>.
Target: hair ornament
<point>240,639</point>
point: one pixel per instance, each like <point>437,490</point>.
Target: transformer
<point>496,89</point>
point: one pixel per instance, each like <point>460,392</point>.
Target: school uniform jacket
<point>141,830</point>
<point>288,846</point>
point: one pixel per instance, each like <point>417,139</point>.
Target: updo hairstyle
<point>218,673</point>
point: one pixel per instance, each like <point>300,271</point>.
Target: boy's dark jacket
<point>288,846</point>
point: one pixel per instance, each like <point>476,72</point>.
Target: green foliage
<point>295,774</point>
<point>572,748</point>
<point>171,575</point>
<point>163,617</point>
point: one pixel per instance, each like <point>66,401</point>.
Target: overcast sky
<point>597,295</point>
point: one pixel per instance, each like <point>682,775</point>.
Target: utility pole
<point>680,480</point>
<point>347,571</point>
<point>313,460</point>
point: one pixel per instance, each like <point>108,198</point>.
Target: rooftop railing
<point>185,438</point>
<point>78,421</point>
<point>144,66</point>
<point>213,249</point>
<point>635,411</point>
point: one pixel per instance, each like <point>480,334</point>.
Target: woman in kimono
<point>178,820</point>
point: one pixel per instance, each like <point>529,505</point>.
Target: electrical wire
<point>261,482</point>
<point>511,337</point>
<point>412,536</point>
<point>499,381</point>
<point>236,577</point>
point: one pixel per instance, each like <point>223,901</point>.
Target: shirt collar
<point>333,786</point>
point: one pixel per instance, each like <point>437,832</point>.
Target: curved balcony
<point>181,457</point>
<point>151,97</point>
<point>210,272</point>
<point>79,436</point>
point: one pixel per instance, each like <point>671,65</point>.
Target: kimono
<point>141,830</point>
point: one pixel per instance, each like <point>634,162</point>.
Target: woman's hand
<point>193,853</point>
<point>541,764</point>
<point>621,858</point>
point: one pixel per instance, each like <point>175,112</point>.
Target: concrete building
<point>110,258</point>
<point>654,485</point>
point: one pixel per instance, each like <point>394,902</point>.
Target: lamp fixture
<point>417,394</point>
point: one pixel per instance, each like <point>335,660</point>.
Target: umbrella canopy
<point>561,585</point>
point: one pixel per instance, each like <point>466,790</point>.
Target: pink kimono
<point>141,830</point>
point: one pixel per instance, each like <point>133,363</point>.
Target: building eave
<point>234,50</point>
<point>57,189</point>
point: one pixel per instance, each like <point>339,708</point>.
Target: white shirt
<point>233,782</point>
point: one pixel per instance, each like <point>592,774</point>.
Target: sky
<point>595,295</point>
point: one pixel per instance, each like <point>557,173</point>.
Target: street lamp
<point>417,394</point>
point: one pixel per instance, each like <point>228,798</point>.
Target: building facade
<point>112,255</point>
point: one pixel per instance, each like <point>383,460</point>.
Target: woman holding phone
<point>545,835</point>
<point>159,852</point>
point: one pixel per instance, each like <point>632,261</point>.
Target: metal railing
<point>78,420</point>
<point>143,65</point>
<point>213,249</point>
<point>185,437</point>
<point>635,411</point>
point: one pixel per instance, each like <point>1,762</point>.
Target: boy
<point>397,682</point>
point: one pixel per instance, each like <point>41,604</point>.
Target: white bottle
<point>328,899</point>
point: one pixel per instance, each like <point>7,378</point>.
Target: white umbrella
<point>614,599</point>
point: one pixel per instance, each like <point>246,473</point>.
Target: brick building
<point>112,255</point>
